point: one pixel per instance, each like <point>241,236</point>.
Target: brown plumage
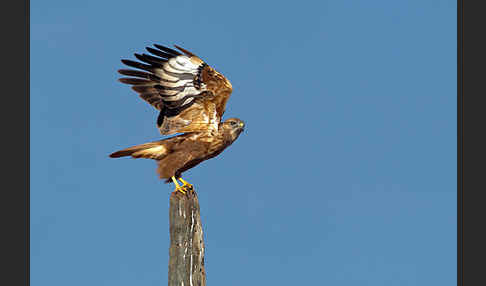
<point>191,97</point>
<point>180,153</point>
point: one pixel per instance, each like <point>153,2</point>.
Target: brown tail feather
<point>153,150</point>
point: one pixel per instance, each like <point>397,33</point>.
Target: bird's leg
<point>178,188</point>
<point>185,184</point>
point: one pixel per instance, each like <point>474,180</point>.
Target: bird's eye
<point>234,123</point>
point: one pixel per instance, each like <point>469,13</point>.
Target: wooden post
<point>186,252</point>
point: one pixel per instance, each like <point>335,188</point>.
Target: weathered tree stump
<point>186,252</point>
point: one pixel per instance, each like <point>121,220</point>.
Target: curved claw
<point>180,189</point>
<point>185,185</point>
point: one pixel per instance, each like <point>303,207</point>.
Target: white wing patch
<point>213,120</point>
<point>177,79</point>
<point>172,124</point>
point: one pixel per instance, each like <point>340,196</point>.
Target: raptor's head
<point>232,128</point>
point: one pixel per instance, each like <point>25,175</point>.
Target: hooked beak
<point>242,125</point>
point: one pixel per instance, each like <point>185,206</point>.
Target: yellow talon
<point>186,184</point>
<point>178,187</point>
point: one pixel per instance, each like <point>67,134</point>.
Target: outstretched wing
<point>190,95</point>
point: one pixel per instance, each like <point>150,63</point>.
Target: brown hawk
<point>191,97</point>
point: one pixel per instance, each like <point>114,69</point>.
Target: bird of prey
<point>191,97</point>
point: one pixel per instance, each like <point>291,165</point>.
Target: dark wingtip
<point>134,81</point>
<point>185,51</point>
<point>167,50</point>
<point>129,72</point>
<point>139,57</point>
<point>137,65</point>
<point>159,53</point>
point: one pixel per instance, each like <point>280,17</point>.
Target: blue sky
<point>345,174</point>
